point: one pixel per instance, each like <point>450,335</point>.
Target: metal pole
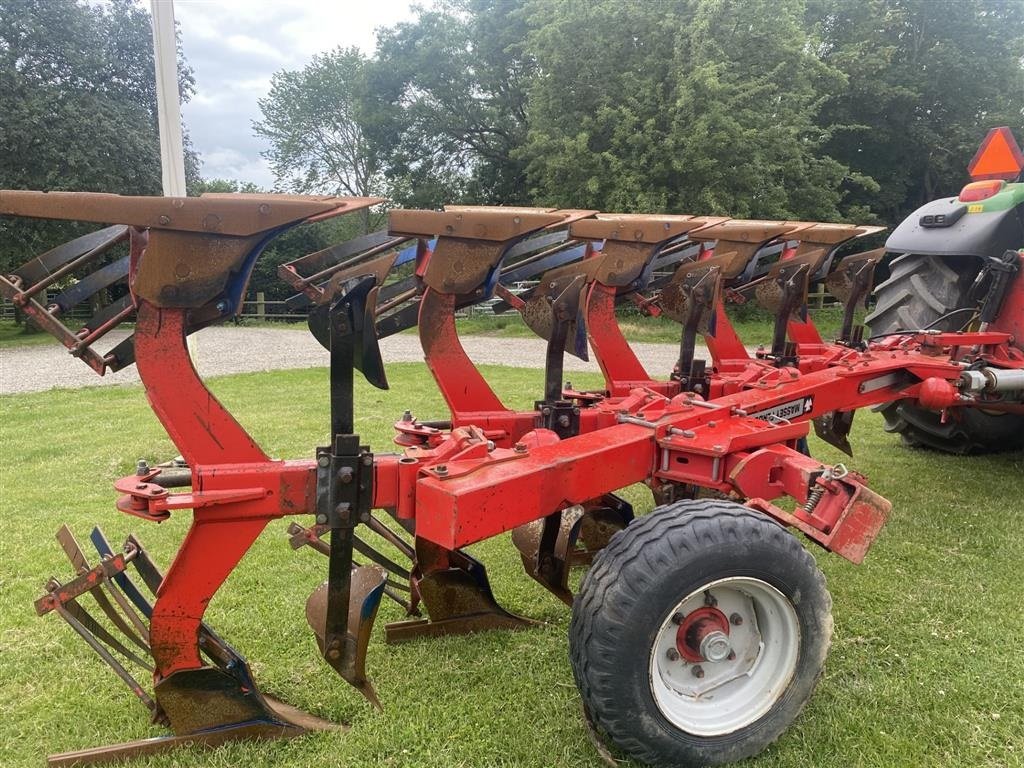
<point>168,102</point>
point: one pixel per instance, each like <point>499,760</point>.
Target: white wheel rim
<point>732,693</point>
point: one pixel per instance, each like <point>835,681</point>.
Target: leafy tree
<point>926,79</point>
<point>77,107</point>
<point>313,119</point>
<point>600,106</point>
<point>224,186</point>
<point>705,106</point>
<point>448,103</point>
<point>744,139</point>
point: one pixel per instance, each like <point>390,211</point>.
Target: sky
<point>235,46</point>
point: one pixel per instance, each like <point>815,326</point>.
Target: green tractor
<point>948,256</point>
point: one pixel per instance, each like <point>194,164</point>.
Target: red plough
<point>700,629</point>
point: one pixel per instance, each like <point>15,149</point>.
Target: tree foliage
<point>314,121</point>
<point>449,103</point>
<point>818,109</point>
<point>925,79</point>
<point>311,118</point>
<point>77,107</point>
<point>813,109</point>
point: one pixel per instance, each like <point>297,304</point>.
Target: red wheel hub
<point>695,627</point>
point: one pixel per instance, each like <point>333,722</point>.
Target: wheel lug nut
<point>673,654</point>
<point>735,619</point>
<point>677,618</point>
<point>698,672</point>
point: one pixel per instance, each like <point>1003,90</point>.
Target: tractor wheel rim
<point>713,698</point>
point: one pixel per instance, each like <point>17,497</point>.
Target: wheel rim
<point>724,655</point>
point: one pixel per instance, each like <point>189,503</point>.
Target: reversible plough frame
<point>735,425</point>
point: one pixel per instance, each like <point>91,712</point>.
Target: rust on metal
<point>223,214</point>
<point>742,239</point>
<point>488,224</point>
<point>638,228</point>
<point>854,275</point>
<point>362,610</point>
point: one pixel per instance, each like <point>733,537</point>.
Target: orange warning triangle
<point>998,157</point>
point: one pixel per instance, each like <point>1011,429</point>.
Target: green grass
<point>926,667</point>
<point>13,335</point>
<point>753,324</point>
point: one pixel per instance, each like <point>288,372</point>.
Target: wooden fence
<point>259,307</point>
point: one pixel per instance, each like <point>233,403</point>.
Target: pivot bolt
<point>673,654</point>
<point>141,467</point>
<point>323,461</point>
<point>441,469</point>
<point>407,416</point>
<point>715,646</point>
<point>697,671</point>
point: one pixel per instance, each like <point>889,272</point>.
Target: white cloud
<point>246,44</point>
<point>234,46</point>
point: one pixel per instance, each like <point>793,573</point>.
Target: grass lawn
<point>926,668</point>
<point>13,335</point>
<point>753,324</point>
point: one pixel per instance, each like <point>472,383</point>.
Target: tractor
<point>948,255</point>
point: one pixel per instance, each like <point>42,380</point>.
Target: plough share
<point>706,617</point>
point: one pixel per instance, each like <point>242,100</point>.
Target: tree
<point>449,97</point>
<point>600,106</point>
<point>223,186</point>
<point>77,107</point>
<point>745,141</point>
<point>925,80</point>
<point>313,120</point>
<point>702,106</point>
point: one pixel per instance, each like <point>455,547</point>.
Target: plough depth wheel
<point>699,634</point>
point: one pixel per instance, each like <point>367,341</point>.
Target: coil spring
<point>837,472</point>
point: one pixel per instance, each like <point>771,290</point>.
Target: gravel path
<point>229,349</point>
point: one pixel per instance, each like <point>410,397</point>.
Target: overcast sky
<point>234,46</point>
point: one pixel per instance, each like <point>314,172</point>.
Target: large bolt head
<point>715,646</point>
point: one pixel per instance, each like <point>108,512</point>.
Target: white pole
<point>168,105</point>
<point>168,99</point>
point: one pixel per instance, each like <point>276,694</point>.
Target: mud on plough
<point>724,616</point>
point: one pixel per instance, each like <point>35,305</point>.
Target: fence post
<point>261,305</point>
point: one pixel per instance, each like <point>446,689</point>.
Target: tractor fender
<point>973,232</point>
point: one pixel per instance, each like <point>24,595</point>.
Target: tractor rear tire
<point>755,615</point>
<point>921,290</point>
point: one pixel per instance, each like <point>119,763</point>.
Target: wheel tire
<point>919,291</point>
<point>655,569</point>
